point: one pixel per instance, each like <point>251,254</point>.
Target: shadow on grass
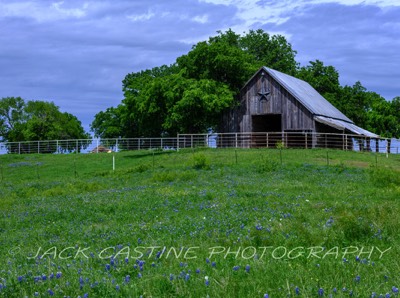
<point>143,154</point>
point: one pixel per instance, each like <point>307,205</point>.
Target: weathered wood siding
<point>294,115</point>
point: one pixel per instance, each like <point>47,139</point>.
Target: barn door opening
<point>268,123</point>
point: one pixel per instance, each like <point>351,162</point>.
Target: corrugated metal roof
<point>307,95</point>
<point>342,125</point>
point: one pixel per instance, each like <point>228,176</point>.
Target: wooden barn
<point>272,101</point>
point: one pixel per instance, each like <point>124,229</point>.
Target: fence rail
<point>304,140</point>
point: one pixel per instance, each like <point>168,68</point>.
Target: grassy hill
<point>198,223</point>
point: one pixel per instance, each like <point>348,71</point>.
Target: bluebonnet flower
<point>20,278</point>
<point>236,268</point>
<point>197,271</point>
<point>51,293</point>
<point>58,275</point>
<point>297,291</point>
<point>44,277</point>
<point>387,295</point>
<point>395,290</point>
<point>213,264</point>
<point>171,277</point>
<point>247,268</point>
<point>334,290</point>
<point>373,295</point>
<point>207,282</point>
<point>321,292</point>
<point>139,275</point>
<point>357,279</point>
<point>329,222</point>
<point>36,294</point>
<point>126,260</point>
<point>117,287</point>
<point>127,278</point>
<point>51,276</point>
<point>108,267</point>
<point>207,260</point>
<point>266,296</point>
<point>187,277</point>
<point>358,259</point>
<point>86,295</point>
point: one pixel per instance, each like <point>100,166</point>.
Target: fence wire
<point>304,140</point>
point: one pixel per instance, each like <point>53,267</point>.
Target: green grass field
<point>200,223</point>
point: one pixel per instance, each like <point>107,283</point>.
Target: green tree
<point>271,51</point>
<point>38,121</point>
<point>220,59</point>
<point>324,79</point>
<point>108,124</point>
<point>11,118</point>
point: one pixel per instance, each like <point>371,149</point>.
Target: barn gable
<point>272,101</point>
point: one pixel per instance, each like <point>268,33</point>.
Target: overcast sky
<point>76,52</point>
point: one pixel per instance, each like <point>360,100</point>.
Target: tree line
<point>190,95</point>
<point>37,120</point>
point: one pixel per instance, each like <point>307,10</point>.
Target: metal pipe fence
<point>306,140</point>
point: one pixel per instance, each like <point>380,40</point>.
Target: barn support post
<point>305,136</point>
<point>377,145</point>
<point>314,139</point>
<point>267,141</point>
<point>19,147</point>
<point>236,140</point>
<point>138,144</point>
<point>191,141</point>
<point>177,142</point>
<point>343,142</point>
<point>38,147</point>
